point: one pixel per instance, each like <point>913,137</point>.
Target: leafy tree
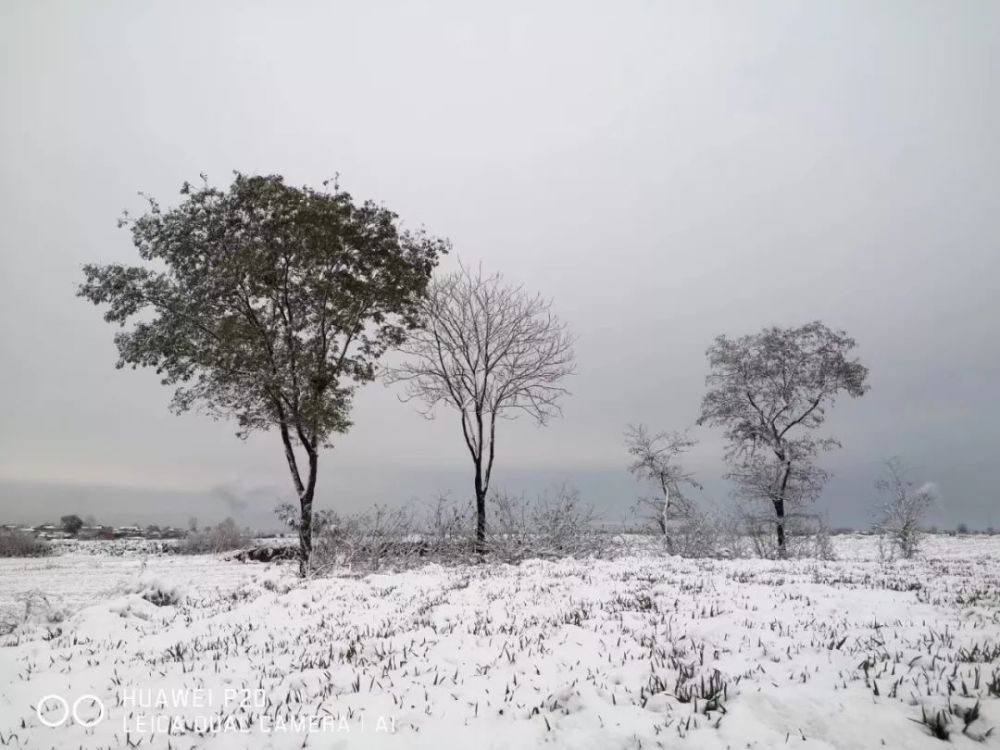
<point>770,392</point>
<point>489,350</point>
<point>267,304</point>
<point>71,524</point>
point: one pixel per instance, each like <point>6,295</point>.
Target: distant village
<point>73,527</point>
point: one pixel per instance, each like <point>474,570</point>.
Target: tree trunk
<point>306,520</point>
<point>666,515</point>
<point>305,532</point>
<point>305,493</point>
<point>480,512</point>
<point>779,509</point>
<point>779,513</point>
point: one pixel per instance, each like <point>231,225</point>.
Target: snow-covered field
<point>643,651</point>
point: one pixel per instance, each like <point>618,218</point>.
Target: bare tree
<point>769,390</point>
<point>901,506</point>
<point>489,350</point>
<point>656,459</point>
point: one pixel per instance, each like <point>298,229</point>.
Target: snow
<point>641,651</point>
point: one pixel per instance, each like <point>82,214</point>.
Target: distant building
<point>50,531</point>
<point>92,531</point>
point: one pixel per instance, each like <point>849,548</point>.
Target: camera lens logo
<point>84,720</point>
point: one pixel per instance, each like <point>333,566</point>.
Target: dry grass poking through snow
<point>636,652</point>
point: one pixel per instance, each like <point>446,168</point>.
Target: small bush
<point>33,608</point>
<point>156,592</point>
<point>806,536</point>
<point>22,544</point>
<point>395,537</point>
<point>902,508</point>
<point>700,534</point>
<point>739,533</point>
<point>550,527</point>
<point>389,537</point>
<point>223,537</point>
<point>448,529</point>
<point>371,540</point>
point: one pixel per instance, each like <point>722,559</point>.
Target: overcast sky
<point>666,172</point>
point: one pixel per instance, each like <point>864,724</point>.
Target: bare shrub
<point>223,537</point>
<point>813,539</point>
<point>711,533</point>
<point>157,592</point>
<point>743,534</point>
<point>509,531</point>
<point>370,540</point>
<point>22,544</point>
<point>447,529</point>
<point>552,526</point>
<point>901,509</point>
<point>32,607</point>
<point>695,535</point>
<point>717,533</point>
<point>807,536</point>
<point>886,549</point>
<point>556,525</point>
<point>289,515</point>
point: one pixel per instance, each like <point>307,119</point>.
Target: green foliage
<point>265,302</point>
<point>268,304</point>
<point>937,723</point>
<point>71,524</point>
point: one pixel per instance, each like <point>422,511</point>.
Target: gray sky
<point>664,171</point>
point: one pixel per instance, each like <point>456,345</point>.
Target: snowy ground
<point>638,652</point>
